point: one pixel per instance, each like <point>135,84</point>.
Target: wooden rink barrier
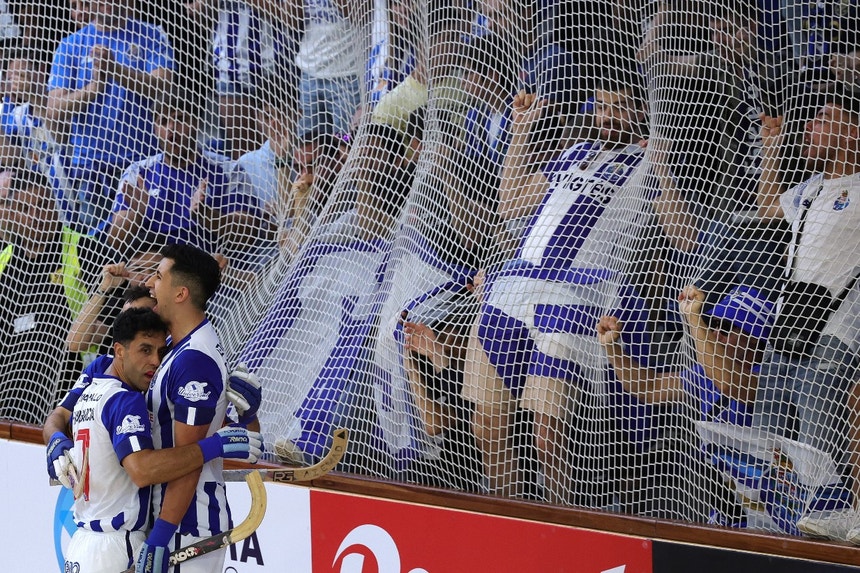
<point>821,552</point>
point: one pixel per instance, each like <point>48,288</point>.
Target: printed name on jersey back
<point>84,415</point>
<point>89,397</point>
<point>576,184</point>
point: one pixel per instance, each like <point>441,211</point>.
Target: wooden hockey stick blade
<point>338,447</point>
<point>78,486</point>
<point>238,533</point>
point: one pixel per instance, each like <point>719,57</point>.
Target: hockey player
<point>114,451</point>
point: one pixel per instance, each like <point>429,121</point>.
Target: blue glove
<point>245,392</point>
<point>58,445</point>
<point>233,442</point>
<point>154,556</point>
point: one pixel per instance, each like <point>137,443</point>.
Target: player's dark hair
<point>620,80</point>
<point>134,321</point>
<point>194,269</point>
<point>134,292</point>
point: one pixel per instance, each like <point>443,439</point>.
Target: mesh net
<point>592,253</point>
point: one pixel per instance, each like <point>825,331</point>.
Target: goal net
<point>591,253</point>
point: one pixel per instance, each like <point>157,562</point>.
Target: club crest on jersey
<point>613,173</point>
<point>842,201</point>
<point>586,161</point>
<point>194,391</point>
<point>130,425</point>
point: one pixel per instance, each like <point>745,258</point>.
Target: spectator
<point>570,223</point>
<point>244,47</point>
<point>342,260</point>
<point>102,81</point>
<point>184,194</point>
<point>317,161</point>
<point>28,140</point>
<point>804,385</point>
<point>37,309</point>
<point>328,61</point>
<point>384,180</point>
<point>732,338</point>
<point>727,111</point>
<point>263,164</point>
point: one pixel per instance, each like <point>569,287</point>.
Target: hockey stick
<point>78,485</point>
<point>325,465</point>
<point>238,533</point>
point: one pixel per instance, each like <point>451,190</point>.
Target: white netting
<point>419,254</point>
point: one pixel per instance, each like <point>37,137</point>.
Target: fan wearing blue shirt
<point>103,78</point>
<point>183,194</point>
<point>731,338</point>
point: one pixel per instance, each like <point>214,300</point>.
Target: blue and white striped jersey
<point>109,422</point>
<point>243,46</point>
<point>586,182</point>
<point>189,388</point>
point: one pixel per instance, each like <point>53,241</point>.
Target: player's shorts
<point>537,340</point>
<point>102,551</point>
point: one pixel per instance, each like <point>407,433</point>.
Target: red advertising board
<point>353,534</point>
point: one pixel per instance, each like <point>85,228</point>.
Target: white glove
<point>67,473</point>
<point>244,390</point>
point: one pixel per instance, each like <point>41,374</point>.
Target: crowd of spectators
<point>656,204</point>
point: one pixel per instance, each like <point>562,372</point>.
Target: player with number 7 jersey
<point>113,463</point>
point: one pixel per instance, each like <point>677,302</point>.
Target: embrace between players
<point>147,429</point>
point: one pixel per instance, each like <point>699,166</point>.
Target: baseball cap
<point>746,308</point>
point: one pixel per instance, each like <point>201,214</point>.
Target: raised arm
<point>63,103</point>
<point>645,383</point>
<point>87,329</point>
<point>522,184</point>
<point>731,376</point>
<point>770,185</point>
<point>143,83</point>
